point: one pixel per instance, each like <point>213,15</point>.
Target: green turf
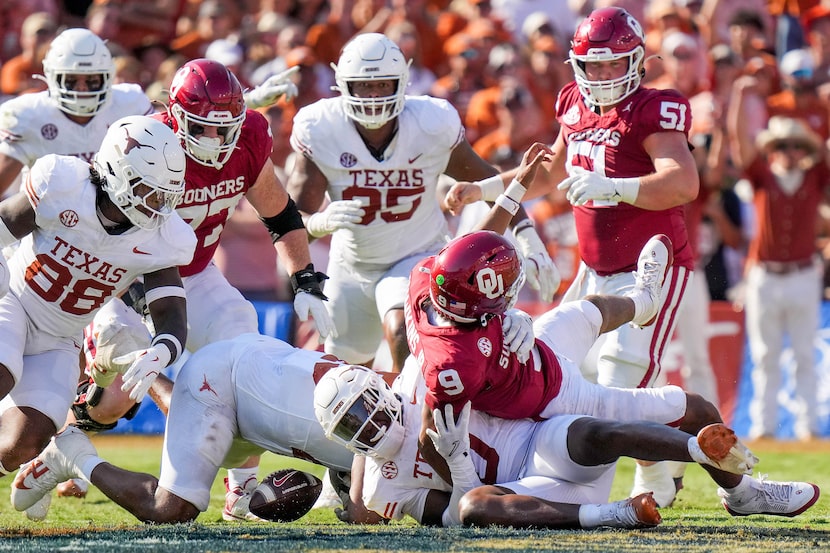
<point>696,523</point>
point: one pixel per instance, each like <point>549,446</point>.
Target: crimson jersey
<point>611,235</point>
<point>471,362</point>
<point>212,194</point>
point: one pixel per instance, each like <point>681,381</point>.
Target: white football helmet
<point>608,34</point>
<point>371,57</point>
<point>78,52</point>
<point>142,163</point>
<point>357,409</point>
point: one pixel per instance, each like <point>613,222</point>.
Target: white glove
<point>337,215</point>
<point>270,91</point>
<point>585,186</point>
<point>4,276</point>
<point>305,303</point>
<point>518,333</point>
<point>450,438</point>
<point>114,339</point>
<point>146,366</point>
<point>542,274</point>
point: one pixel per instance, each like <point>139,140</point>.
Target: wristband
<point>308,280</point>
<point>154,294</point>
<point>508,204</point>
<point>515,191</point>
<point>171,340</point>
<point>491,187</point>
<point>627,188</point>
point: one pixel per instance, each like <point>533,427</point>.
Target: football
<point>285,495</point>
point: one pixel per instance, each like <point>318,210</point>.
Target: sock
<point>3,470</point>
<point>740,488</point>
<point>697,454</point>
<point>589,516</point>
<point>87,465</point>
<point>245,478</point>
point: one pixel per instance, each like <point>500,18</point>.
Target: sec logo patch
<point>389,470</point>
<point>485,346</point>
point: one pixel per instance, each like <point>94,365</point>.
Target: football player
<point>72,116</point>
<point>622,155</point>
<point>366,172</point>
<point>555,473</point>
<point>86,232</point>
<point>232,399</point>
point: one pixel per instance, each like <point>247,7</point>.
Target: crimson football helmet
<point>204,93</point>
<point>78,52</point>
<point>476,276</point>
<point>371,57</point>
<point>358,410</point>
<point>608,34</point>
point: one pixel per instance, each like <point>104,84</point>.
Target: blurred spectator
<point>229,53</point>
<point>328,37</point>
<point>785,166</point>
<point>816,24</point>
<point>247,258</point>
<point>151,57</point>
<point>421,78</point>
<point>554,219</point>
<point>17,74</point>
<point>683,64</point>
<point>127,69</point>
<point>216,19</point>
<point>747,35</point>
<point>144,22</point>
<point>158,89</point>
<point>547,75</point>
<point>503,69</point>
<point>12,15</point>
<point>104,19</point>
<point>752,15</point>
<point>466,63</point>
<point>799,95</point>
<point>514,13</point>
<point>663,17</point>
<point>789,33</point>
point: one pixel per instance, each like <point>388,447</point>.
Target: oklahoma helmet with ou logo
<point>475,275</point>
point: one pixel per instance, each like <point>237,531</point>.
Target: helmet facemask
<point>142,165</point>
<point>211,151</point>
<point>612,91</point>
<point>358,410</point>
<point>75,53</point>
<point>371,57</point>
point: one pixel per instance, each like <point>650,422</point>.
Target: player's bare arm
<point>9,169</point>
<point>18,215</point>
<point>675,180</point>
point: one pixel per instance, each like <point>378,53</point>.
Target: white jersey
<point>66,269</point>
<point>32,126</point>
<point>397,487</point>
<point>403,215</point>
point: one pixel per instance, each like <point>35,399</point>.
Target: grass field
<point>696,523</point>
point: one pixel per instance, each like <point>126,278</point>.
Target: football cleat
<point>237,501</point>
<point>54,465</point>
<point>720,444</point>
<point>765,497</point>
<point>635,512</point>
<point>654,478</point>
<point>73,488</point>
<point>39,510</point>
<point>655,260</point>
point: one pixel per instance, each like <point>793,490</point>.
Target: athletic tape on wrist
<point>154,294</point>
<point>515,191</point>
<point>508,204</point>
<point>491,187</point>
<point>176,350</point>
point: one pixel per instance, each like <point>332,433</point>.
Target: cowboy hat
<point>788,129</point>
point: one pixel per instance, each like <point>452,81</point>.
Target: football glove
<point>306,303</point>
<point>145,366</point>
<point>542,274</point>
<point>586,186</point>
<point>272,89</point>
<point>450,438</point>
<point>337,215</point>
<point>518,333</point>
<point>112,340</point>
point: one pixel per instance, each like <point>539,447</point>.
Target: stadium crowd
<point>726,154</point>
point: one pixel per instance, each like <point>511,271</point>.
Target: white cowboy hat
<point>788,129</point>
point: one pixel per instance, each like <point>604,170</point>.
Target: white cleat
<point>655,260</point>
<point>55,464</point>
<point>237,501</point>
<point>765,497</point>
<point>39,510</point>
